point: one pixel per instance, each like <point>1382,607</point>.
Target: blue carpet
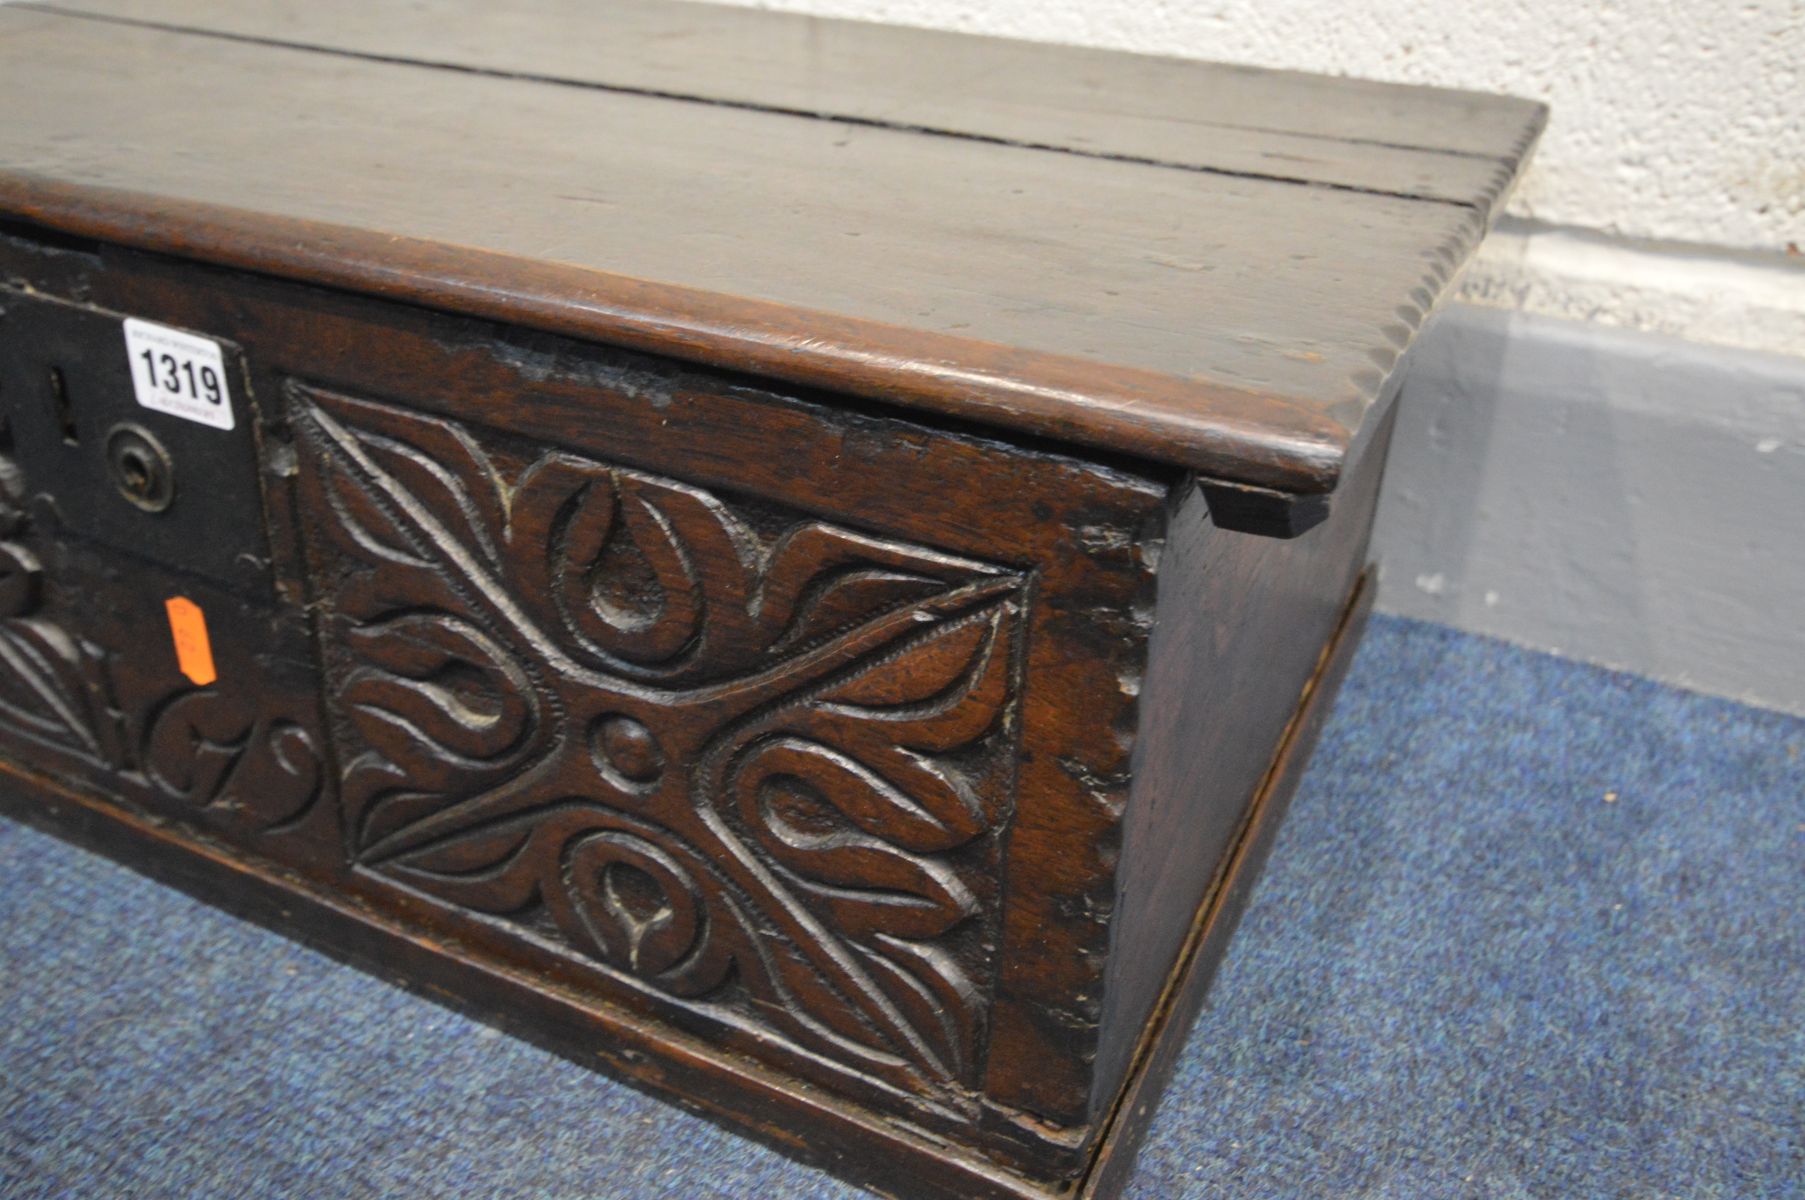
<point>1534,929</point>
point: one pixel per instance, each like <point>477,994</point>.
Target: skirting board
<point>1622,498</point>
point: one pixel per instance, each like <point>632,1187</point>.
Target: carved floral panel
<point>755,762</point>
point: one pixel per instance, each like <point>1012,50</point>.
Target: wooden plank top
<point>1212,267</point>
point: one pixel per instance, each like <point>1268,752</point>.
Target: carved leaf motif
<point>820,580</point>
<point>735,759</point>
<point>443,706</point>
<point>51,688</point>
<point>445,472</point>
<point>838,793</point>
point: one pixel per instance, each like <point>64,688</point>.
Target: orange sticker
<point>193,652</point>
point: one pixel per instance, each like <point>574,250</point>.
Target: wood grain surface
<point>738,545</point>
<point>1209,706</point>
<point>1134,300</point>
<point>782,723</point>
<point>1387,138</point>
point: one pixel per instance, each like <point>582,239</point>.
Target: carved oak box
<point>792,560</point>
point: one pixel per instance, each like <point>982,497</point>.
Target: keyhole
<point>141,467</point>
<point>62,407</point>
<point>136,471</point>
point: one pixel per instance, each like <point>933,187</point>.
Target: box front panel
<point>141,649</point>
<point>797,728</point>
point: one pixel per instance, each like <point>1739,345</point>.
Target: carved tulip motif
<point>745,758</point>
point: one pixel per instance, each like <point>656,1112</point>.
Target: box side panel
<point>1240,623</point>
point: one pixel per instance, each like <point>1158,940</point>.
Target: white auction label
<point>178,373</point>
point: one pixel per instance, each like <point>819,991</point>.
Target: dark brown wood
<point>1209,708</point>
<point>1058,397</point>
<point>1169,1027</point>
<point>1048,292</point>
<point>800,1122</point>
<point>383,476</point>
<point>787,591</point>
<point>1383,138</point>
<point>1264,511</point>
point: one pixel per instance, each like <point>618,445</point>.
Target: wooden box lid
<point>1211,267</point>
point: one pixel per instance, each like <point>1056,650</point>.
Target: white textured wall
<point>1673,119</point>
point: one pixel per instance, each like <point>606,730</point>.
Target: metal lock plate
<point>176,487</point>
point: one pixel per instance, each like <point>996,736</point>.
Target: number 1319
<point>181,377</point>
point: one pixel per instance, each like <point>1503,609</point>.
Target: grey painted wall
<point>1619,497</point>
